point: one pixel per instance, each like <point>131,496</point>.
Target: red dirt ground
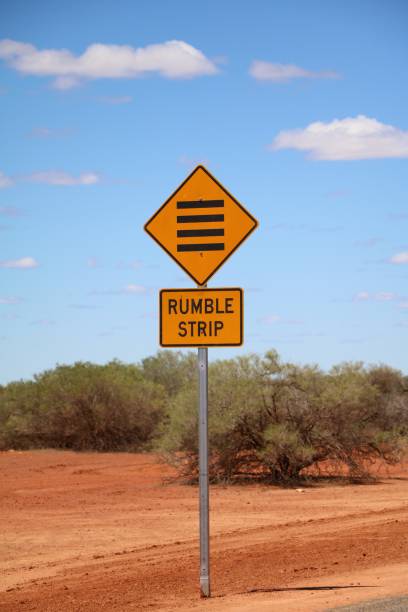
<point>87,532</point>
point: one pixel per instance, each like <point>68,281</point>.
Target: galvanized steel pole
<point>203,474</point>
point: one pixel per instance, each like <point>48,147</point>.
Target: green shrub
<point>82,406</point>
<point>267,419</point>
<point>272,420</point>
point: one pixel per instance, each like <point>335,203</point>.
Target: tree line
<point>267,419</point>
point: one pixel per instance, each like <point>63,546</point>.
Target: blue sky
<point>298,108</point>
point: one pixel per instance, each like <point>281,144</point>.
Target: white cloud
<point>40,132</point>
<point>282,73</point>
<point>149,315</point>
<point>57,177</point>
<point>62,83</point>
<point>358,137</point>
<point>43,322</point>
<point>381,296</point>
<point>45,132</point>
<point>115,100</point>
<point>385,296</point>
<point>270,319</point>
<point>370,242</point>
<point>398,216</point>
<point>173,59</point>
<point>84,306</point>
<point>403,305</point>
<point>51,177</point>
<point>361,296</point>
<point>127,290</point>
<point>11,211</point>
<point>338,193</point>
<point>399,258</point>
<point>92,262</point>
<point>192,162</point>
<point>132,265</point>
<point>5,181</point>
<point>10,300</point>
<point>105,292</point>
<point>134,289</point>
<point>23,262</point>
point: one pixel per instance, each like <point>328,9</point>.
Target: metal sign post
<point>200,225</point>
<point>203,475</point>
<point>202,361</point>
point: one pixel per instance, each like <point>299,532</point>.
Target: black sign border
<point>233,250</point>
<point>201,290</point>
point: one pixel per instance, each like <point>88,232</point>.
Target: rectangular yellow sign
<point>201,317</point>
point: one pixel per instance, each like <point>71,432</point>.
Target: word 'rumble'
<point>201,306</point>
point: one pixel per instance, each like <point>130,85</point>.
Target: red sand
<point>99,532</point>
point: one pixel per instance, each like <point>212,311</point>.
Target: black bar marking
<point>201,204</point>
<point>198,233</point>
<point>200,218</point>
<point>214,246</point>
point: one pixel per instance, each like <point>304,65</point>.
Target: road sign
<point>200,225</point>
<point>201,317</point>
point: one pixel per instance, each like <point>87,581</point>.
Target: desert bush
<point>232,388</point>
<point>393,398</point>
<point>171,369</point>
<point>83,406</point>
<point>267,419</point>
<point>18,405</point>
<point>272,420</point>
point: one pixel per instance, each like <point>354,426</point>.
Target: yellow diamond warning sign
<point>201,317</point>
<point>200,225</point>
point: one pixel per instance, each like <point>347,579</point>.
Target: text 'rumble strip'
<point>201,317</point>
<point>202,232</point>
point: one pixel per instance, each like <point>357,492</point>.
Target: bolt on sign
<point>201,317</point>
<point>200,225</point>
